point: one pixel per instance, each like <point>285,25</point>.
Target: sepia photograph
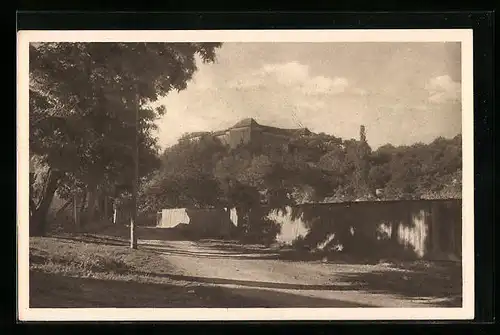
<point>216,175</point>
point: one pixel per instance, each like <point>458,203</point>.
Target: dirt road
<point>256,273</point>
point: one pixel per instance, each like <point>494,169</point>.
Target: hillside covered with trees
<point>254,178</point>
<point>313,168</point>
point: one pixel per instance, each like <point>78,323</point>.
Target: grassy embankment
<point>100,270</point>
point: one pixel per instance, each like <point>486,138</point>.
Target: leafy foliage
<point>315,168</point>
<point>185,177</point>
<point>83,103</point>
<point>419,171</point>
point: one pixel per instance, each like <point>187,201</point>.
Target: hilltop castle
<point>248,130</point>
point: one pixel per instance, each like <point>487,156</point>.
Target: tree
<point>185,178</point>
<point>348,167</point>
<point>419,170</point>
<point>83,99</point>
<point>312,168</point>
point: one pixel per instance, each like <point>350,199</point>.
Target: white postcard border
<point>197,314</point>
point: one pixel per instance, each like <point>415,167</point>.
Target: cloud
<point>443,89</point>
<point>292,76</point>
<point>324,85</point>
<point>281,94</point>
<point>287,74</point>
<point>285,88</point>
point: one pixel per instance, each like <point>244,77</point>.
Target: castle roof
<point>288,132</point>
<point>249,122</point>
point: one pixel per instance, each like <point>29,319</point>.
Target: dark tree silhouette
<point>83,98</point>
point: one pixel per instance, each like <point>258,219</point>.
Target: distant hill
<point>296,166</point>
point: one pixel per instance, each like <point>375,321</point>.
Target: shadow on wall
<point>198,223</point>
<point>400,229</point>
<point>419,229</point>
<point>213,223</point>
<point>261,228</point>
<point>220,223</point>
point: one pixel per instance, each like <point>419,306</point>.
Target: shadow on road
<point>249,283</point>
<point>442,281</point>
<point>408,285</point>
<point>447,287</point>
<point>57,291</point>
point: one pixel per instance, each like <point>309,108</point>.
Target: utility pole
<point>133,218</point>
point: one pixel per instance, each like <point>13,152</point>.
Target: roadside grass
<point>93,260</point>
<point>67,273</point>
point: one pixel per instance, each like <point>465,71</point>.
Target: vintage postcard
<point>245,175</point>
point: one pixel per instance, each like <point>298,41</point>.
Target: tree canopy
<point>83,99</point>
<point>312,170</point>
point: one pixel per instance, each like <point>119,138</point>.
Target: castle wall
<point>267,136</point>
<point>420,229</point>
<point>208,223</point>
<point>239,136</point>
<point>245,134</point>
<point>224,138</point>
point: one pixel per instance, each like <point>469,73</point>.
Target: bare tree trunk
<point>32,204</point>
<point>38,219</point>
<point>133,218</point>
<point>91,203</point>
<point>64,207</point>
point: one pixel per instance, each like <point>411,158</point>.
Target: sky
<point>402,93</point>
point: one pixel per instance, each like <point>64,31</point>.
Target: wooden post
<point>133,217</point>
<point>114,211</point>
